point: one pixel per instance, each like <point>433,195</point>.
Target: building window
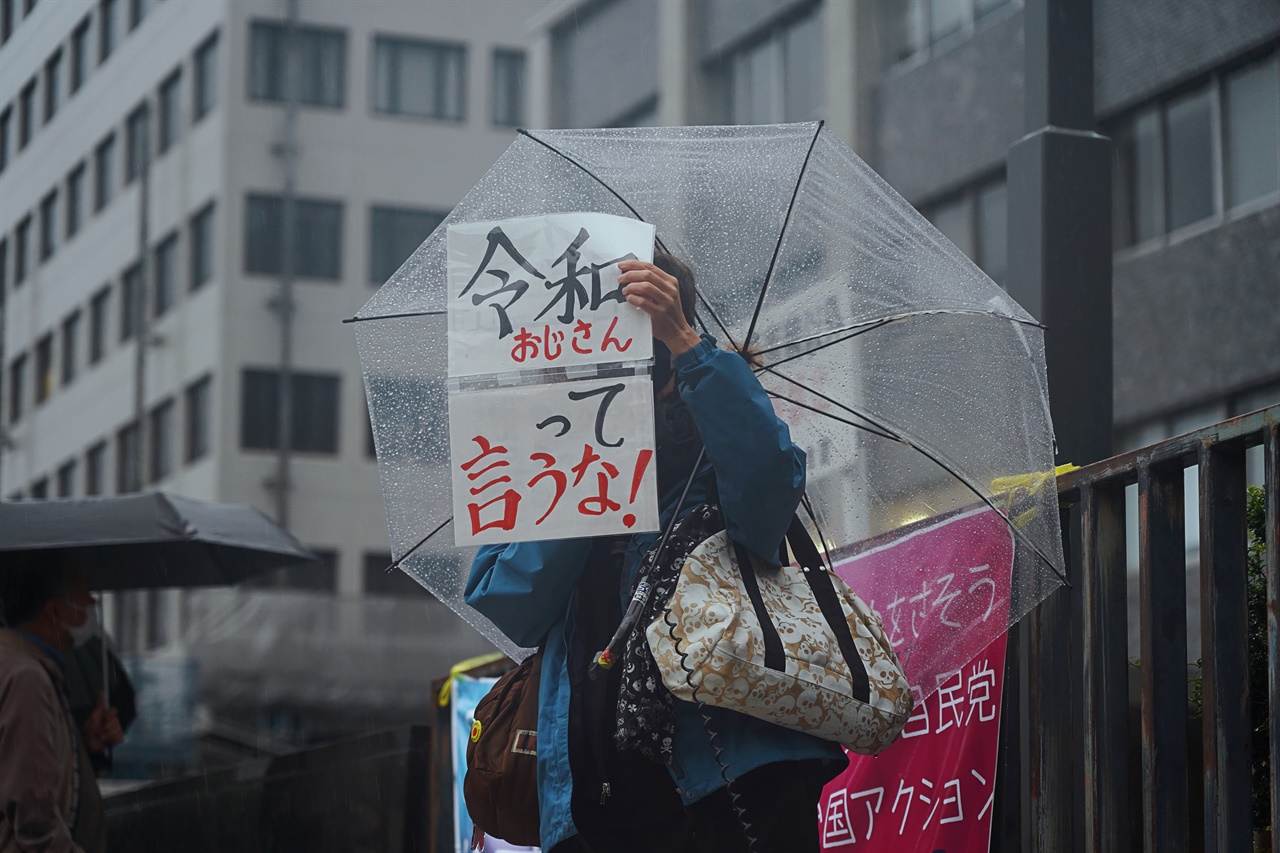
<point>26,113</point>
<point>4,267</point>
<point>75,199</point>
<point>165,278</point>
<point>1192,157</point>
<point>198,401</point>
<point>79,55</point>
<point>136,141</point>
<point>7,19</point>
<point>321,577</point>
<point>99,316</point>
<point>66,479</point>
<point>95,469</point>
<point>314,413</point>
<point>6,122</point>
<point>420,78</point>
<point>70,345</point>
<point>130,302</point>
<point>17,378</point>
<point>204,89</point>
<point>317,237</point>
<point>508,87</point>
<point>1251,105</point>
<point>1189,146</point>
<point>128,459</point>
<point>976,221</point>
<point>318,58</point>
<point>44,368</point>
<point>21,250</point>
<point>52,84</point>
<point>104,163</point>
<point>910,27</point>
<point>160,464</point>
<point>108,28</point>
<point>781,78</point>
<point>139,9</point>
<point>40,489</point>
<point>200,231</point>
<point>379,581</point>
<point>48,225</point>
<point>394,234</point>
<point>170,98</point>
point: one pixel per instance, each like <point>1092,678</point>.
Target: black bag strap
<point>824,593</point>
<point>773,653</point>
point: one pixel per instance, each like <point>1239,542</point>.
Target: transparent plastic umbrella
<point>915,384</point>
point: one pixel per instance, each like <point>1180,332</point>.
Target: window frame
<point>437,46</point>
<point>69,362</point>
<point>197,422</point>
<point>95,468</point>
<point>204,78</point>
<point>1121,128</point>
<point>80,63</point>
<point>200,246</point>
<point>160,424</point>
<point>45,375</point>
<point>104,156</point>
<point>73,209</point>
<point>52,85</point>
<point>306,52</point>
<point>508,53</point>
<point>48,211</point>
<point>99,324</point>
<point>169,111</point>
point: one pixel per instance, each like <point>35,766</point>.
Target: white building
<point>398,109</point>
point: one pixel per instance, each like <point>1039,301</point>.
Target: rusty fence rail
<point>1079,770</point>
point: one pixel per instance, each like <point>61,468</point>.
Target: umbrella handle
<point>106,661</point>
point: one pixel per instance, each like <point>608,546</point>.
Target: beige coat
<point>39,744</point>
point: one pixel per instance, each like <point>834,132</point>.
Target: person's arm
<point>524,587</point>
<point>760,472</point>
<point>31,772</point>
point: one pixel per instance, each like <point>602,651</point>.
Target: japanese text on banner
<point>549,453</point>
<point>542,291</point>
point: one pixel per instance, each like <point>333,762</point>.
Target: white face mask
<point>83,633</point>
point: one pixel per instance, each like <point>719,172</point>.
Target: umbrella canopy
<point>916,385</point>
<point>152,540</point>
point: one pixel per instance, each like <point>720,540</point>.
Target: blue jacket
<point>526,588</point>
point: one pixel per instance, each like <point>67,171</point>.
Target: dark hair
<point>678,269</point>
<point>28,581</point>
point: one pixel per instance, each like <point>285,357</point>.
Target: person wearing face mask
<point>598,790</point>
<point>49,799</point>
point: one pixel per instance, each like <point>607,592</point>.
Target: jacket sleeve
<point>760,472</point>
<point>32,773</point>
<point>525,587</point>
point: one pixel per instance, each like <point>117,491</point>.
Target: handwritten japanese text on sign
<point>550,461</point>
<point>933,790</point>
<point>542,291</point>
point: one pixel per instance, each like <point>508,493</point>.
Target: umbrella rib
<point>886,432</point>
<point>830,343</point>
<point>868,325</point>
<point>782,232</point>
<point>393,316</point>
<point>636,213</point>
<point>836,418</point>
<point>409,553</point>
<point>922,451</point>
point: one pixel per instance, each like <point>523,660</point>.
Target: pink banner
<point>933,790</point>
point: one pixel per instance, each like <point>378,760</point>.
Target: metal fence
<point>1088,762</point>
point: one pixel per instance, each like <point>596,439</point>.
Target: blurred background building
<point>193,196</point>
<point>303,176</point>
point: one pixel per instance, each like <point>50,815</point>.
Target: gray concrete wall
<point>604,62</point>
<point>1142,47</point>
<point>1197,319</point>
<point>942,123</point>
<point>725,22</point>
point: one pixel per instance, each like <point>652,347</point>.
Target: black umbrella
<point>152,540</point>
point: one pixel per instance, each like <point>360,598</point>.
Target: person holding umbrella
<point>49,799</point>
<point>568,597</point>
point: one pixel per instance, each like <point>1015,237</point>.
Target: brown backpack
<point>501,785</point>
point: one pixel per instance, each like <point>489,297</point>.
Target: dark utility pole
<point>1059,182</point>
<point>1060,224</point>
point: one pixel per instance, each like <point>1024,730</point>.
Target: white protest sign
<point>553,461</point>
<point>542,291</point>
